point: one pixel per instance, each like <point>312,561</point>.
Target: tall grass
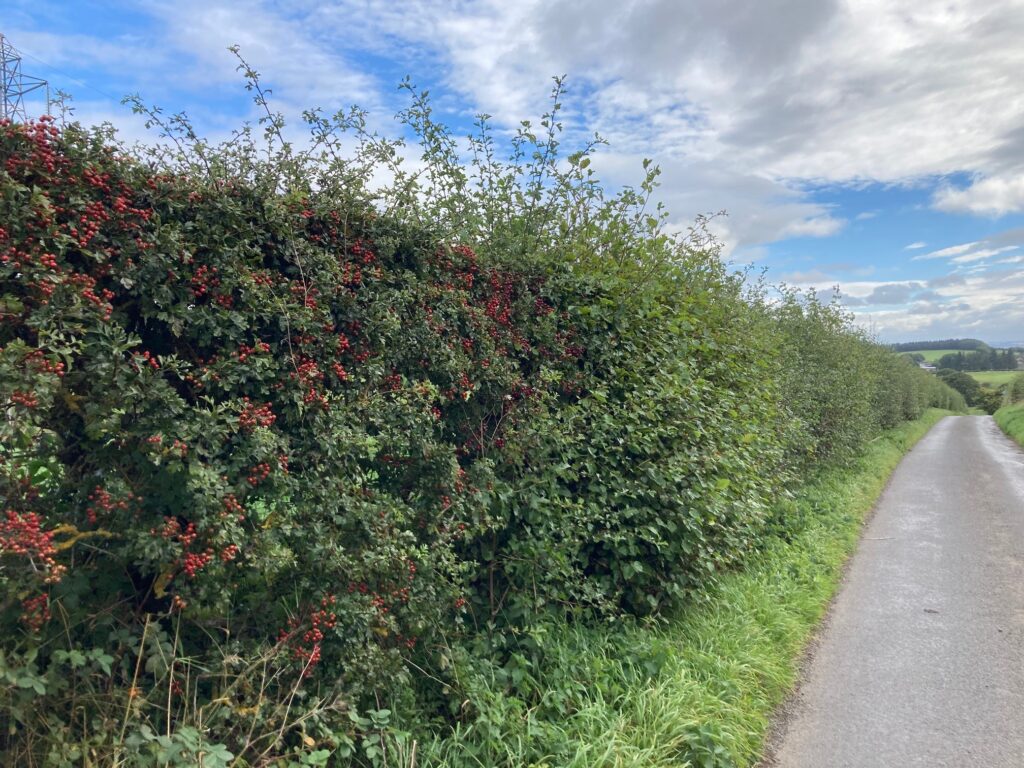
<point>1010,419</point>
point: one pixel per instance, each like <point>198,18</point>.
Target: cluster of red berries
<point>21,533</point>
<point>244,350</point>
<point>35,612</point>
<point>258,474</point>
<point>314,396</point>
<point>101,500</point>
<point>253,415</point>
<point>204,280</point>
<point>351,275</point>
<point>96,180</point>
<point>499,305</point>
<point>307,371</point>
<point>24,399</point>
<point>262,278</point>
<point>229,553</point>
<point>37,362</point>
<point>85,232</point>
<point>306,648</point>
<point>43,136</point>
<point>232,506</point>
<point>307,293</point>
<point>172,530</point>
<point>380,604</point>
<point>194,562</point>
<point>363,252</point>
<point>87,286</point>
<point>122,205</point>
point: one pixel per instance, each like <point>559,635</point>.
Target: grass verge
<point>698,689</point>
<point>1010,419</point>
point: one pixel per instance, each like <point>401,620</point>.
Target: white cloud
<point>769,95</point>
<point>987,303</point>
<point>990,196</point>
<point>981,254</point>
<point>915,246</point>
<point>945,253</point>
<point>818,226</point>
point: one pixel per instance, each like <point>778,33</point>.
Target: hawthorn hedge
<point>271,457</point>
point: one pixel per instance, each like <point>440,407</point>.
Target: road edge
<point>781,716</point>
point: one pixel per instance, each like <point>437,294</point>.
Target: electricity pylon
<point>15,85</point>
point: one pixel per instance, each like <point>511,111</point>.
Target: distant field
<point>933,355</point>
<point>993,378</point>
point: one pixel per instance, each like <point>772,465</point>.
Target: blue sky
<point>870,144</point>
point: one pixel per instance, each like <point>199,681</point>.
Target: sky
<point>873,145</point>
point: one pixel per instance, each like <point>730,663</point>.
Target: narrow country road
<point>921,661</point>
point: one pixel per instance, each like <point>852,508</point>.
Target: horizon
<point>860,146</point>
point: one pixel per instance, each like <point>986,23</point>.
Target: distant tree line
<point>966,344</point>
<point>980,360</point>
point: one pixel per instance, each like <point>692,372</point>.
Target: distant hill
<point>963,354</point>
<point>945,344</point>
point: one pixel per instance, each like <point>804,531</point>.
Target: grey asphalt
<point>921,659</point>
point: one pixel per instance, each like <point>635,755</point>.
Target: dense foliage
<point>285,466</point>
<point>975,394</point>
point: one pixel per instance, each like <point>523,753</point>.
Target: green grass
<point>698,689</point>
<point>933,355</point>
<point>1010,419</point>
<point>993,378</point>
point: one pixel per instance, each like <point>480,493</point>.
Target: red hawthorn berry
<point>35,612</point>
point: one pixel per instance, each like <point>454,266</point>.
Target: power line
<point>72,78</point>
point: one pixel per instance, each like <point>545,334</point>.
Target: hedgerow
<point>281,456</point>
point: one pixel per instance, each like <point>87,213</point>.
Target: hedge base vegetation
<point>298,471</point>
<point>1010,417</point>
<point>699,688</point>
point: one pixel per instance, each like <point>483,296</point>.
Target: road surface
<point>921,660</point>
